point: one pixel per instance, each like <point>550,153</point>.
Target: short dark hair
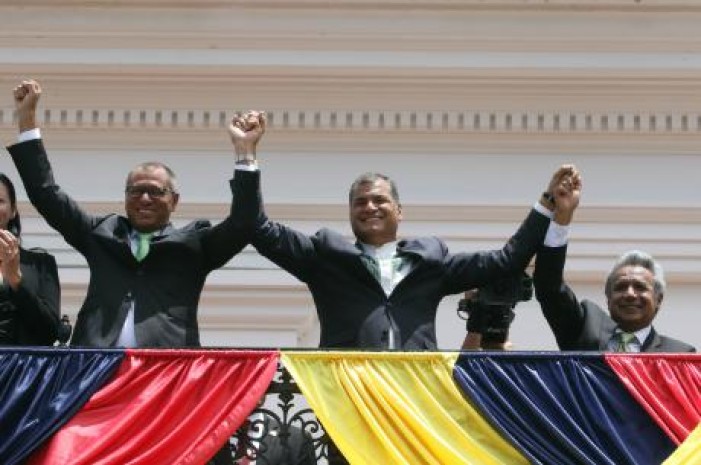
<point>369,178</point>
<point>14,225</point>
<point>152,166</point>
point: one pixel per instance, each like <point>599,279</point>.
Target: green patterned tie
<point>142,247</point>
<point>623,340</point>
<point>372,266</point>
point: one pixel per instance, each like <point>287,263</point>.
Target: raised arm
<point>58,209</point>
<point>230,236</point>
<point>468,270</point>
<point>289,249</point>
<point>559,304</point>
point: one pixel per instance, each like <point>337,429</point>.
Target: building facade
<point>469,104</point>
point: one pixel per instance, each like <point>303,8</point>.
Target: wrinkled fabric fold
<point>562,408</point>
<point>668,386</point>
<point>41,389</point>
<point>164,407</point>
<point>396,408</point>
<point>104,406</point>
<point>689,452</point>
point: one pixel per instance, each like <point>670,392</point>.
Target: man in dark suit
<point>382,292</point>
<point>634,291</point>
<point>146,276</point>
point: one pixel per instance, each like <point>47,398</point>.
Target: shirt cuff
<point>556,235</point>
<point>246,166</point>
<point>542,210</point>
<point>32,134</point>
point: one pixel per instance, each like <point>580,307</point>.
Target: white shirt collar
<point>641,334</point>
<point>385,251</point>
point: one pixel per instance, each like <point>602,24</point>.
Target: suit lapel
<point>353,255</point>
<point>608,328</point>
<point>164,233</point>
<point>652,342</point>
<point>414,248</point>
<point>114,235</point>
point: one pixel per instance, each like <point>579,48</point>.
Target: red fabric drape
<point>668,386</point>
<point>164,407</point>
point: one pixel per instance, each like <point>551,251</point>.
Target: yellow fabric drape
<point>397,408</point>
<point>689,452</point>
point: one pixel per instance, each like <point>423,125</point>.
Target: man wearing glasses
<point>146,276</point>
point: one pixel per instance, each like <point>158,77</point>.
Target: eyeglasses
<point>154,192</point>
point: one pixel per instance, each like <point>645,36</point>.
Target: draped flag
<point>689,453</point>
<point>159,407</point>
<point>165,407</point>
<point>571,409</point>
<point>403,408</point>
<point>669,387</point>
<point>40,389</point>
<point>541,408</point>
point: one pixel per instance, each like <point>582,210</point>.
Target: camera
<point>490,311</point>
<point>508,291</point>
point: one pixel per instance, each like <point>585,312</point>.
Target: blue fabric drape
<point>41,389</point>
<point>562,409</point>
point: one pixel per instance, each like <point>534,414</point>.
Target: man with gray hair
<point>634,291</point>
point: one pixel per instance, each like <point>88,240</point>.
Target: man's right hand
<point>26,96</point>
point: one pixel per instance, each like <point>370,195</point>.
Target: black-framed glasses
<point>154,192</point>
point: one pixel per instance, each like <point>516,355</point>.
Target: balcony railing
<point>75,406</point>
<point>283,411</point>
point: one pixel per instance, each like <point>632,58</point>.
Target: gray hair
<point>153,166</point>
<point>369,178</point>
<point>638,258</point>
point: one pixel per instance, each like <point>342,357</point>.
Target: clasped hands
<point>246,130</point>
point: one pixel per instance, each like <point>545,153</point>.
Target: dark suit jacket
<point>352,307</point>
<point>581,326</point>
<point>165,286</point>
<point>30,314</point>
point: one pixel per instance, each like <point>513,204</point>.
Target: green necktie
<point>372,266</point>
<point>143,246</point>
<point>623,340</point>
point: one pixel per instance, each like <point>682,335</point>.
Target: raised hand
<point>246,130</point>
<point>26,96</point>
<point>567,194</point>
<point>557,177</point>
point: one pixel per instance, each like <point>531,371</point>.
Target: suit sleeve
<point>58,209</point>
<point>228,238</point>
<point>470,270</point>
<point>289,249</point>
<point>564,313</point>
<point>38,299</point>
